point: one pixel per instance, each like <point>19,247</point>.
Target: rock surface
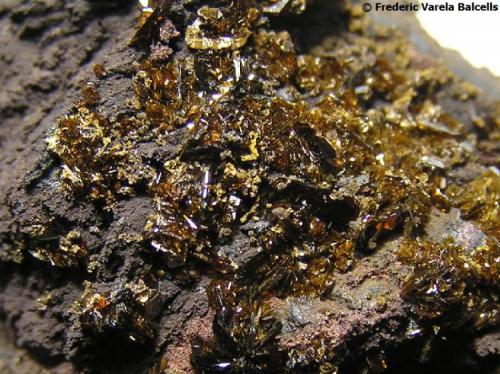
<point>82,288</point>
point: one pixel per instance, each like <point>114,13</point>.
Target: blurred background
<point>467,42</point>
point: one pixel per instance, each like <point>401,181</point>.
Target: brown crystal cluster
<point>479,201</point>
<point>97,152</point>
<point>452,286</point>
<point>316,157</point>
<point>126,310</point>
<point>245,333</point>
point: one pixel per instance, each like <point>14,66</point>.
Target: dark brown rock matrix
<point>244,187</point>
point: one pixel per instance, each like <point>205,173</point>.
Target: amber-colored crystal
<point>312,157</point>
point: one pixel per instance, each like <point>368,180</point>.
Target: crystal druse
<point>316,156</point>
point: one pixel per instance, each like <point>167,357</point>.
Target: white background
<point>476,35</point>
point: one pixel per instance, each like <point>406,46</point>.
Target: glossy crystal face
<point>314,156</point>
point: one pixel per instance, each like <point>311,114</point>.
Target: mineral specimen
<point>295,165</point>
